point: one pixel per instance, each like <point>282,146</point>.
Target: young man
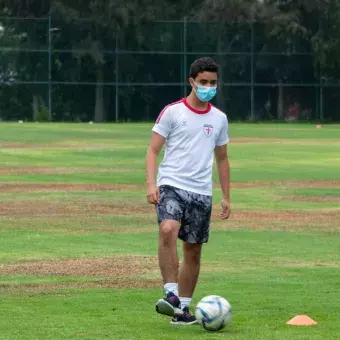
<point>193,131</point>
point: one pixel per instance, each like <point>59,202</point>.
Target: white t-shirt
<point>191,137</point>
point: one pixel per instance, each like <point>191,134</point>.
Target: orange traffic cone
<point>302,320</point>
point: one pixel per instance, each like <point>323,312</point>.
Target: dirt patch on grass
<point>314,199</point>
<point>53,288</point>
<point>130,230</point>
<point>294,184</point>
<point>118,267</point>
<point>280,220</point>
<point>282,215</point>
<point>241,265</point>
<point>242,140</point>
<point>118,272</point>
<point>35,171</point>
<point>56,146</point>
<point>311,184</point>
<point>305,264</point>
<point>56,187</point>
<point>40,207</point>
<point>113,230</point>
<point>71,146</point>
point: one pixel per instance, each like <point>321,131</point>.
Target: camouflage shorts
<point>191,210</point>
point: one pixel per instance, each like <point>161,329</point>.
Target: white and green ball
<point>213,312</point>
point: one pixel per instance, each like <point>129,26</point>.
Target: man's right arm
<point>155,147</point>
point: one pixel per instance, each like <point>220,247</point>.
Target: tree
<point>111,19</point>
<point>88,31</point>
<point>232,25</point>
<point>27,8</point>
<point>315,24</point>
<point>18,62</point>
<point>287,27</point>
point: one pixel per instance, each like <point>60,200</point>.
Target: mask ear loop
<point>193,87</point>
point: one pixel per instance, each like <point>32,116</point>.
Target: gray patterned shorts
<point>191,210</point>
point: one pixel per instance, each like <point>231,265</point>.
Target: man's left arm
<point>222,162</point>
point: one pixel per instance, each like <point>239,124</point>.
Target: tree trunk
<point>35,107</point>
<point>280,101</point>
<point>99,112</point>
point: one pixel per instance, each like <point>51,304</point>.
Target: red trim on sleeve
<point>200,112</point>
<point>162,112</point>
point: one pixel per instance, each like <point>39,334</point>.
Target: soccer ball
<point>213,312</point>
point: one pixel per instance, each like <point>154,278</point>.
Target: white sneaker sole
<point>182,323</point>
<point>164,307</point>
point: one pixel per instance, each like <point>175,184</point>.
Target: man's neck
<point>194,102</point>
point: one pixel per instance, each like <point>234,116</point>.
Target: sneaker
<point>170,305</point>
<point>185,319</point>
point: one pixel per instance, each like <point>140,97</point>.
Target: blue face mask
<point>205,93</point>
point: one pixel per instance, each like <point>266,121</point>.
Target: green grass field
<point>78,242</point>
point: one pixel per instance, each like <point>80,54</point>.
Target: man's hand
<point>153,194</point>
<point>156,144</point>
<point>225,213</point>
<point>222,162</point>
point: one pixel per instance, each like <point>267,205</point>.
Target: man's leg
<point>188,275</point>
<point>167,251</point>
<point>169,213</point>
<point>168,263</point>
<point>189,271</point>
<point>194,232</point>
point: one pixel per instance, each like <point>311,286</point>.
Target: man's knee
<point>168,231</point>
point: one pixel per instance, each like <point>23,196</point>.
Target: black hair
<point>200,65</point>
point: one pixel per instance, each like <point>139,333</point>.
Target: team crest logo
<point>208,130</point>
